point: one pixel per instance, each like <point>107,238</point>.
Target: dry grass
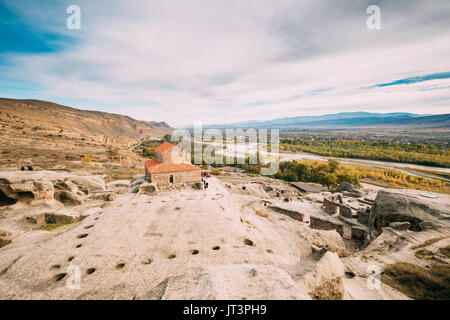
<point>427,243</point>
<point>262,214</point>
<point>329,290</point>
<point>417,282</point>
<point>445,252</point>
<point>51,227</point>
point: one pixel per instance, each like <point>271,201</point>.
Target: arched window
<point>171,179</point>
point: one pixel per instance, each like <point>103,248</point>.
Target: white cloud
<point>227,61</point>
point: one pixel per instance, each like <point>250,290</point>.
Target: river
<point>246,149</point>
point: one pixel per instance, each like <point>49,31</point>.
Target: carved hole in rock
<point>60,276</point>
<point>349,274</point>
<point>120,266</point>
<point>25,196</point>
<point>148,261</point>
<point>248,242</point>
<point>172,256</point>
<point>88,227</point>
<point>84,235</point>
<point>78,246</point>
<point>5,200</point>
<point>194,252</point>
<point>70,258</point>
<point>56,266</point>
<point>90,270</point>
<point>96,219</point>
<point>269,250</point>
<point>216,248</point>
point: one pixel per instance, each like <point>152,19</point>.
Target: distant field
<point>414,153</point>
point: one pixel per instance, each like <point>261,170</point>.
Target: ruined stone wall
<point>322,224</point>
<point>178,177</point>
<point>334,204</point>
<point>292,214</point>
<point>363,217</point>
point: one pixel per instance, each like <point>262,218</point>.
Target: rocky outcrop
<point>325,281</point>
<point>392,207</point>
<point>148,188</point>
<point>20,246</point>
<point>401,226</point>
<point>88,184</point>
<point>68,198</point>
<point>118,185</point>
<point>30,187</point>
<point>21,189</point>
<point>349,189</point>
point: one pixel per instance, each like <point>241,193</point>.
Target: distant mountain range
<point>348,120</point>
<point>51,115</point>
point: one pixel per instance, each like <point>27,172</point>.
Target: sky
<point>224,61</point>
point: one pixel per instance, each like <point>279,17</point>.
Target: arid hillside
<point>51,115</point>
<point>54,137</point>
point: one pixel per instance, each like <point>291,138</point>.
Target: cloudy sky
<point>220,61</point>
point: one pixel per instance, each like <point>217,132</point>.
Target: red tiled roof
<point>154,166</point>
<point>164,147</point>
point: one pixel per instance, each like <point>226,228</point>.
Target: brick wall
<point>178,177</point>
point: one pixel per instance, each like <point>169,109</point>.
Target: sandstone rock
<point>20,246</point>
<point>229,282</point>
<point>4,242</point>
<point>349,190</point>
<point>329,240</point>
<point>346,186</point>
<point>24,189</point>
<point>325,282</point>
<point>136,184</point>
<point>148,188</point>
<point>68,198</point>
<point>401,226</point>
<point>427,225</point>
<point>59,217</point>
<point>105,196</point>
<point>37,219</point>
<point>66,185</point>
<point>88,184</point>
<point>119,185</point>
<point>398,207</point>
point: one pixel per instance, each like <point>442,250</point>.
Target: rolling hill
<point>52,115</point>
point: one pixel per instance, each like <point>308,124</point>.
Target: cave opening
<point>25,196</point>
<point>5,200</point>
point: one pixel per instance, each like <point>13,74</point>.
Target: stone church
<point>171,166</point>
